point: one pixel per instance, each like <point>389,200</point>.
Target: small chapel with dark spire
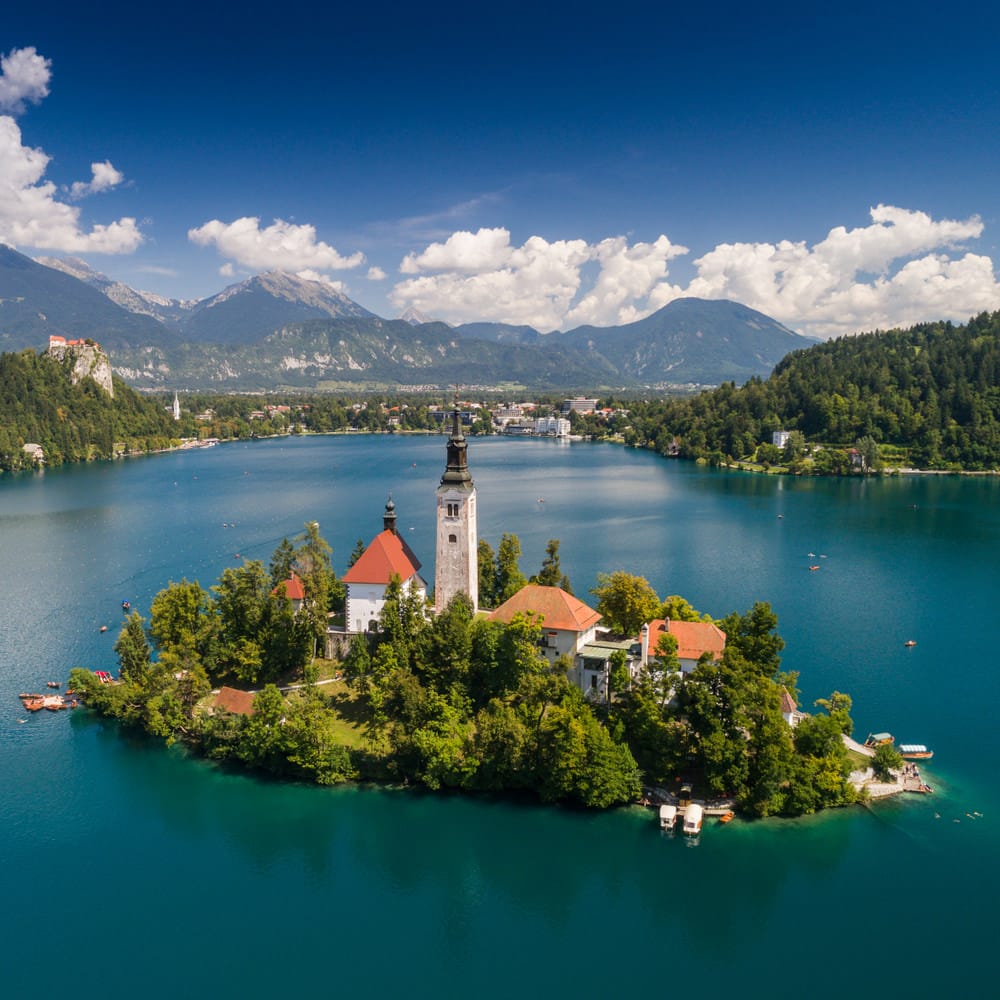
<point>456,568</point>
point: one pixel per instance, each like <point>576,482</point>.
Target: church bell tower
<point>456,568</point>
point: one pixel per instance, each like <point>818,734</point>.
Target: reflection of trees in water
<point>418,862</point>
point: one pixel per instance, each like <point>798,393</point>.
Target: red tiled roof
<point>387,554</point>
<point>693,638</point>
<point>294,588</point>
<point>787,702</point>
<point>237,702</point>
<point>558,609</point>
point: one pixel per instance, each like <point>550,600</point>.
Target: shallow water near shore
<point>143,871</point>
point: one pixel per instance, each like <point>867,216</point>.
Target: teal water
<point>129,869</point>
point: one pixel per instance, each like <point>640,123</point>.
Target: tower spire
<point>389,517</point>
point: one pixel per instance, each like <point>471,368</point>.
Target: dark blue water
<point>129,869</point>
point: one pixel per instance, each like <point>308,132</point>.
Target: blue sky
<point>552,164</point>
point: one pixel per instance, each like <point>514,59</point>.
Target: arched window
<point>453,538</point>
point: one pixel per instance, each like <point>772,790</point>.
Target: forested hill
<point>932,391</point>
<point>39,404</point>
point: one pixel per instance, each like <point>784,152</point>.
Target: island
<point>502,684</point>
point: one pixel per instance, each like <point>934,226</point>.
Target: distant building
<point>176,409</point>
<point>780,438</point>
<point>557,426</point>
<point>579,405</point>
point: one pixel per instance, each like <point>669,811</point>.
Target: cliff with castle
<point>86,360</point>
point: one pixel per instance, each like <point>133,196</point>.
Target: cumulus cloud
<point>902,268</point>
<point>31,214</point>
<point>876,275</point>
<point>24,76</point>
<point>481,276</point>
<point>282,246</point>
<point>376,274</point>
<point>104,177</point>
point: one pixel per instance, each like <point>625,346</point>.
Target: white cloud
<point>31,214</point>
<point>631,283</point>
<point>376,274</point>
<point>104,177</point>
<point>876,275</point>
<point>282,246</point>
<point>484,277</point>
<point>24,76</point>
<point>227,270</point>
<point>900,269</point>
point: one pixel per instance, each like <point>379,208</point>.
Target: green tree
<point>133,649</point>
<point>626,602</point>
<point>487,574</point>
<point>551,574</point>
<point>282,562</point>
<point>509,578</point>
<point>887,759</point>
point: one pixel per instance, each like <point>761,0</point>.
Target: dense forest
<point>72,423</point>
<point>928,396</point>
<point>458,701</point>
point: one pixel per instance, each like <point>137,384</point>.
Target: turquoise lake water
<point>131,870</point>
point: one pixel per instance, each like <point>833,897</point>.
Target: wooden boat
<point>668,817</point>
<point>692,820</point>
<point>915,751</point>
<point>727,817</point>
<point>813,568</point>
<point>52,684</point>
<point>876,740</point>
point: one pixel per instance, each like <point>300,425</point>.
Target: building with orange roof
<point>567,623</point>
<point>233,701</point>
<point>694,640</point>
<point>294,589</point>
<point>386,556</point>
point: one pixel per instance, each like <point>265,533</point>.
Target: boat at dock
<point>727,817</point>
<point>668,817</point>
<point>876,740</point>
<point>52,702</point>
<point>915,751</point>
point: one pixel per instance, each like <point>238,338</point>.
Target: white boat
<point>668,817</point>
<point>692,820</point>
<point>914,751</point>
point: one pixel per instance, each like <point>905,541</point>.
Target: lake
<point>131,869</point>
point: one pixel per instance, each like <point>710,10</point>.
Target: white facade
<point>365,602</point>
<point>559,426</point>
<point>780,438</point>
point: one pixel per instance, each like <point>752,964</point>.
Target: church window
<point>452,510</point>
<point>453,538</point>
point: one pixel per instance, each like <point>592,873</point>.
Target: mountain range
<point>278,330</point>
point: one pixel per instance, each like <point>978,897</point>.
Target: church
<point>388,555</point>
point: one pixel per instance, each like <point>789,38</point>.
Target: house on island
<point>694,640</point>
<point>386,556</point>
<point>233,701</point>
<point>570,628</point>
<point>789,710</point>
<point>294,589</point>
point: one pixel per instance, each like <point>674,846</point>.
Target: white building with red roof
<point>567,623</point>
<point>694,640</point>
<point>294,589</point>
<point>386,556</point>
